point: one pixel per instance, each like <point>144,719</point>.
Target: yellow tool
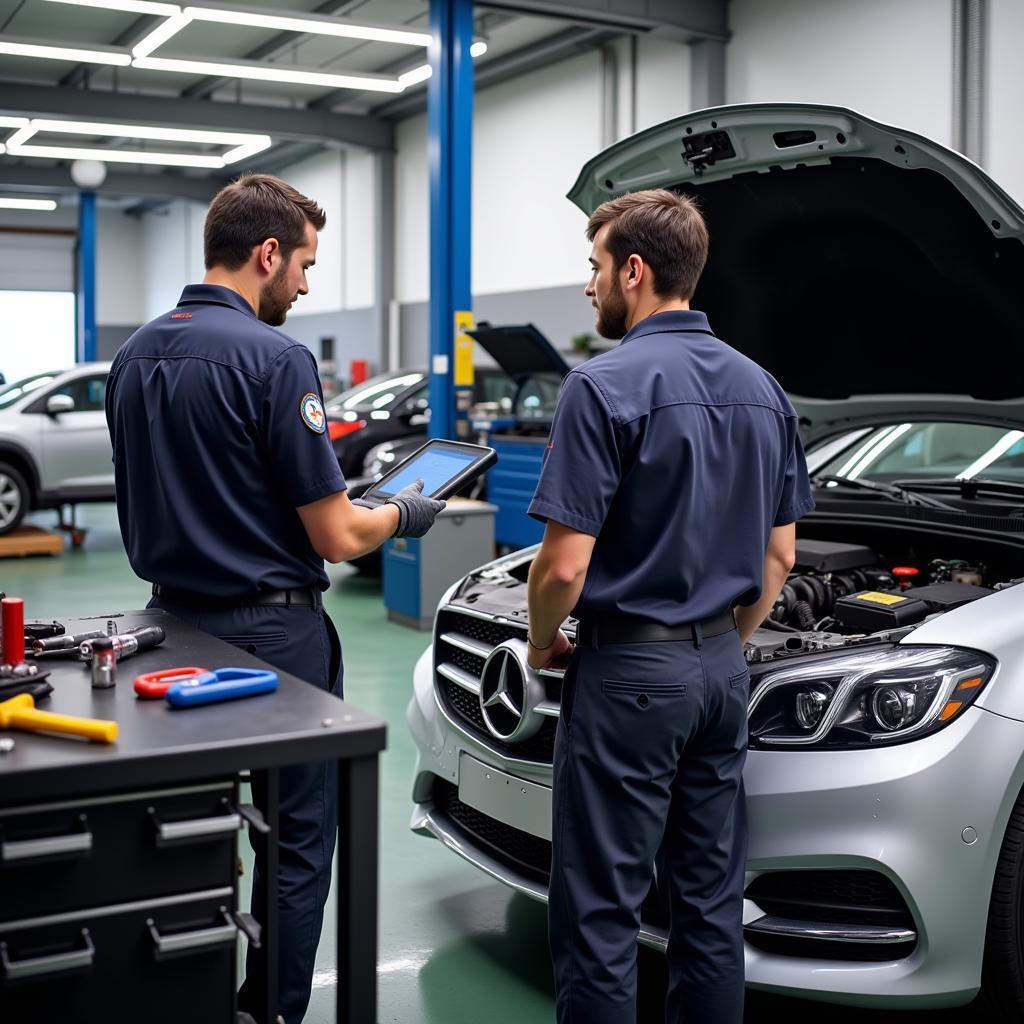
<point>20,713</point>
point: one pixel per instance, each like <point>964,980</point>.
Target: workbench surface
<point>156,743</point>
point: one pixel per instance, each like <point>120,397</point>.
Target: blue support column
<point>85,284</point>
<point>450,158</point>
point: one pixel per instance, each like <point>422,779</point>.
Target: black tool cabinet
<point>119,865</point>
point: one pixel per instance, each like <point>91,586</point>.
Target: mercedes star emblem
<point>510,693</point>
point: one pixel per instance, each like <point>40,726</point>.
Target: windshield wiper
<point>967,488</point>
<point>908,497</point>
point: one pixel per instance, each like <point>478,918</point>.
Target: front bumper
<point>898,811</point>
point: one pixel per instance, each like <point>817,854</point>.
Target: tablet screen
<point>435,467</point>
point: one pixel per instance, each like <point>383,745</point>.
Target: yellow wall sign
<point>463,349</point>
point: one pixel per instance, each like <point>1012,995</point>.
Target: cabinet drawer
<point>156,961</point>
<point>85,853</point>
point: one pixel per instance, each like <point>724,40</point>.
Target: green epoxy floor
<point>455,947</point>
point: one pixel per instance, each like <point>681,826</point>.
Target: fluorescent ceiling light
<point>420,74</point>
<point>312,25</point>
<point>131,6</point>
<point>270,73</point>
<point>243,145</point>
<point>24,48</point>
<point>423,72</point>
<point>171,27</point>
<point>27,204</point>
<point>118,156</point>
<point>13,122</point>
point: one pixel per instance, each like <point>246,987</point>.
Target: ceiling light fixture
<point>32,48</point>
<point>27,204</point>
<point>270,73</point>
<point>129,6</point>
<point>171,27</point>
<point>309,24</point>
<point>420,74</point>
<point>243,145</point>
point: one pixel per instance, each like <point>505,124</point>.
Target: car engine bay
<point>840,594</point>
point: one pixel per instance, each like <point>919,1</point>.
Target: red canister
<point>14,630</point>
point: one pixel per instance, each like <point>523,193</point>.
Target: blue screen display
<point>434,468</point>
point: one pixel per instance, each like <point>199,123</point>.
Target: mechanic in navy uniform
<point>230,497</point>
<point>672,480</point>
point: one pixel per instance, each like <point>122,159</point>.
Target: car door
<point>76,449</point>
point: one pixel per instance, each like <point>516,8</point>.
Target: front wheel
<point>1002,976</point>
<point>13,498</point>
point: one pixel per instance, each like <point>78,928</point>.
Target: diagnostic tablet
<point>443,466</point>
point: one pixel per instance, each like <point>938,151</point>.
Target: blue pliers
<point>188,688</point>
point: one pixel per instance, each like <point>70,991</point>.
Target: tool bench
<point>118,863</point>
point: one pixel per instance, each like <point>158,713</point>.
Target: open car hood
<point>871,270</point>
<point>519,350</point>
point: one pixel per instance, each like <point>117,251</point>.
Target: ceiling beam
<point>293,124</point>
<point>22,178</point>
<point>682,20</point>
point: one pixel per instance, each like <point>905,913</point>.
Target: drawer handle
<point>18,851</point>
<point>185,942</point>
<point>54,963</point>
<point>170,832</point>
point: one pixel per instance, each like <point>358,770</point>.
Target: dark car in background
<point>394,405</point>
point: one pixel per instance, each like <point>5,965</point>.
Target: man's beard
<point>612,315</point>
<point>275,299</point>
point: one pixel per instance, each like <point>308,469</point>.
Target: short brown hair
<point>665,230</point>
<point>252,209</point>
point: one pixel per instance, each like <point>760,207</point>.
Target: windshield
<point>11,393</point>
<point>903,451</point>
<point>376,393</point>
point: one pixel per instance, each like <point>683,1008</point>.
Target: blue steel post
<point>85,285</point>
<point>450,158</point>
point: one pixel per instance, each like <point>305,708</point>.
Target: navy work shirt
<point>219,434</point>
<point>679,455</point>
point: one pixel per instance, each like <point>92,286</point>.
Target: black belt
<point>624,630</point>
<point>299,597</point>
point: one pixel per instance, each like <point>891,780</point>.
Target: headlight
<point>866,699</point>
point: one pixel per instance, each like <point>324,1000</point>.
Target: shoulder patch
<point>312,411</point>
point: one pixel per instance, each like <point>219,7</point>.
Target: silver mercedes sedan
<point>878,276</point>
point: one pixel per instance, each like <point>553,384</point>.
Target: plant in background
<point>581,342</point>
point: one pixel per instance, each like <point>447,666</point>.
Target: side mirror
<point>56,404</point>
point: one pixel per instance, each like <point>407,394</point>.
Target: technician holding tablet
<point>230,497</point>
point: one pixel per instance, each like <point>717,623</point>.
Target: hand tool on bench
<point>20,713</point>
<point>219,685</point>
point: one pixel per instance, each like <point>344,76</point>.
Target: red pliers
<point>154,685</point>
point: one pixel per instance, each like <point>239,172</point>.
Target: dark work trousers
<point>649,756</point>
<point>304,643</point>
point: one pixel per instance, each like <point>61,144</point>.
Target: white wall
<point>890,61</point>
<point>412,211</point>
<point>120,274</point>
<point>320,177</point>
<point>359,230</point>
<point>172,254</point>
<point>1004,156</point>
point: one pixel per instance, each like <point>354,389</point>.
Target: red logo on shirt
<point>181,316</point>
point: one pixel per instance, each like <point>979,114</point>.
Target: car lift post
<point>85,274</point>
<point>450,157</point>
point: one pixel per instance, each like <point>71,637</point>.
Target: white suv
<point>54,443</point>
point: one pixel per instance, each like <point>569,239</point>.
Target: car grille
<point>843,897</point>
<point>455,633</point>
<point>509,845</point>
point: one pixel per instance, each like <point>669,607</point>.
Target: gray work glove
<point>416,511</point>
